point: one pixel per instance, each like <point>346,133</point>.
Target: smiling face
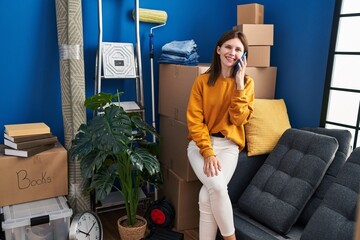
<point>229,52</point>
<point>228,49</point>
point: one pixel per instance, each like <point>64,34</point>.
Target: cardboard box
<point>258,56</point>
<point>252,13</point>
<point>264,80</point>
<point>173,147</point>
<point>184,196</point>
<point>44,175</point>
<point>257,34</point>
<point>175,83</point>
<point>52,215</point>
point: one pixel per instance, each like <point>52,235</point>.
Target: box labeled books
<point>42,176</point>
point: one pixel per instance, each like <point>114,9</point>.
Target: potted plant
<point>112,146</point>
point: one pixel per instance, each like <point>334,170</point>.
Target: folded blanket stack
<point>180,52</point>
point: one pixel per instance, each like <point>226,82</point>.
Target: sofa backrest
<point>343,137</point>
<point>335,218</point>
<point>288,178</point>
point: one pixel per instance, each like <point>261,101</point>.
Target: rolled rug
<point>70,41</point>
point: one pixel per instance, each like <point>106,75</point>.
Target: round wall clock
<point>86,225</point>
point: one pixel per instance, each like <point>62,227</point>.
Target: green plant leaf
<point>143,126</point>
<point>99,101</point>
<point>143,160</point>
<point>103,182</point>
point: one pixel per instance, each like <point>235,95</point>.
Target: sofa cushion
<point>264,129</point>
<point>289,176</point>
<point>335,217</point>
<point>343,137</point>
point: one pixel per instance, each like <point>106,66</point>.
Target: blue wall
<point>29,59</point>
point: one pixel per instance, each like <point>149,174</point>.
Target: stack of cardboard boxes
<point>181,186</point>
<point>260,36</point>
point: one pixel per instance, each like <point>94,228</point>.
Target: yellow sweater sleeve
<point>218,108</point>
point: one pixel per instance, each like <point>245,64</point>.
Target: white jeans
<point>214,202</point>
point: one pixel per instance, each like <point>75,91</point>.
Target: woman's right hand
<point>240,74</point>
<point>212,166</point>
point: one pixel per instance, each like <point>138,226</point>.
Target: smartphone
<point>238,65</point>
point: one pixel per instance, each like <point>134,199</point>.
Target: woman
<point>220,103</point>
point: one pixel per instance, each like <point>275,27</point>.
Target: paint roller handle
<point>151,47</point>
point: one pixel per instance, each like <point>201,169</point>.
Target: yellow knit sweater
<point>218,108</point>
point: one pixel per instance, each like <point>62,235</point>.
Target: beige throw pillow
<point>268,122</point>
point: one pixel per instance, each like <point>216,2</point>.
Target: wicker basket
<point>132,233</point>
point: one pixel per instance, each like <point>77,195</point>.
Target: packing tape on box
<point>69,52</point>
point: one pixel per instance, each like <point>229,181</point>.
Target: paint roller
<point>152,16</point>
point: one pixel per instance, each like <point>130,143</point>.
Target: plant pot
<point>132,232</point>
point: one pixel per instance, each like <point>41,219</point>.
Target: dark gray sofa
<point>280,195</point>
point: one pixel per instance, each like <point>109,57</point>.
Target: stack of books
<point>26,140</point>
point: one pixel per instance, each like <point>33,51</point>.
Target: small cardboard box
<point>258,56</point>
<point>44,175</point>
<point>252,13</point>
<point>175,83</point>
<point>52,217</point>
<point>184,197</point>
<point>257,34</point>
<point>264,80</point>
<point>173,147</point>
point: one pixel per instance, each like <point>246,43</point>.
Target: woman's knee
<point>218,188</point>
<point>213,193</point>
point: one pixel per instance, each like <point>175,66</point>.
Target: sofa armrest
<point>244,172</point>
